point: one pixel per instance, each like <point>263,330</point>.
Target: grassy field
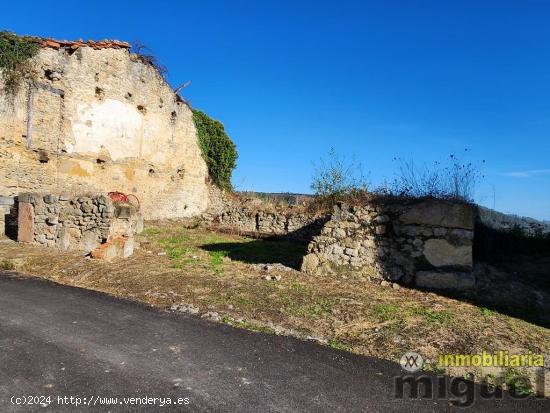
<point>226,278</point>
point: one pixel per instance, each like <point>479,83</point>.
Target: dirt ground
<point>252,284</point>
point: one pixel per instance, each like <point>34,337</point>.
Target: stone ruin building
<point>95,119</point>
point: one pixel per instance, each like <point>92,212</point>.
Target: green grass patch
<point>385,311</point>
<point>299,288</point>
<point>245,325</point>
<point>216,261</point>
<point>320,308</point>
<point>150,231</point>
<point>432,316</point>
<point>486,312</point>
<point>175,246</point>
<point>243,301</point>
<point>338,345</point>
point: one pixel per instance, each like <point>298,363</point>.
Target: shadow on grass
<point>262,251</point>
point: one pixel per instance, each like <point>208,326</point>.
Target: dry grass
<point>218,272</point>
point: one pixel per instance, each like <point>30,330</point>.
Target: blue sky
<point>291,79</point>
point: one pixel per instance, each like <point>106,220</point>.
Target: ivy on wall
<point>15,52</point>
<point>218,150</point>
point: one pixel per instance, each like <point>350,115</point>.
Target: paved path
<point>57,340</point>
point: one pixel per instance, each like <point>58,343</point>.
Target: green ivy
<point>218,150</point>
<point>15,52</point>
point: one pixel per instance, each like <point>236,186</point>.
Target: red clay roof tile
<point>75,44</point>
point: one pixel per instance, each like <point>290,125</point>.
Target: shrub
<point>218,150</point>
<point>15,52</point>
<point>454,179</point>
<point>336,179</point>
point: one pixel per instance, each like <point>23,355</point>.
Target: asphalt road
<point>62,341</point>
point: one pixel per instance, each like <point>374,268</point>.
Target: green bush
<point>337,179</point>
<point>218,150</point>
<point>15,52</point>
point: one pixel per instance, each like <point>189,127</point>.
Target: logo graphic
<point>411,361</point>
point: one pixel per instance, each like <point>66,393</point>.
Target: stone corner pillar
<point>25,222</point>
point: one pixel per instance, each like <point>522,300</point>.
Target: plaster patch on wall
<point>115,125</point>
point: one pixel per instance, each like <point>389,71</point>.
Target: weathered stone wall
<point>427,243</point>
<point>296,225</point>
<point>76,222</point>
<point>101,121</point>
<point>255,216</point>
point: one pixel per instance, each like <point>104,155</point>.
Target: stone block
<point>25,222</point>
<point>89,241</point>
<point>128,247</point>
<point>440,214</point>
<point>440,232</point>
<point>124,211</point>
<point>24,198</point>
<point>462,234</point>
<point>6,200</point>
<point>120,247</point>
<point>64,239</point>
<point>50,199</point>
<point>52,220</point>
<point>445,280</point>
<point>440,253</point>
<point>339,233</point>
<point>87,208</point>
<point>107,251</point>
<point>310,263</point>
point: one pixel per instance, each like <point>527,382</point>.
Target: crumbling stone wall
<point>295,225</point>
<point>99,119</point>
<point>427,243</point>
<point>76,222</point>
<point>252,216</point>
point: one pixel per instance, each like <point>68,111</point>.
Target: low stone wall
<point>294,225</point>
<point>255,216</point>
<point>90,223</point>
<point>426,243</point>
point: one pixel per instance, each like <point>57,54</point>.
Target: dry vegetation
<point>224,274</point>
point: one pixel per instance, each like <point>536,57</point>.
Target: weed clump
<point>15,52</point>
